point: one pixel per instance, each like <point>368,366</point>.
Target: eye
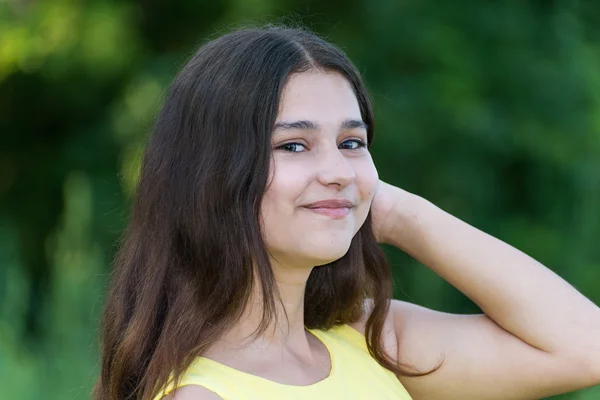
<point>353,144</point>
<point>294,147</point>
<point>291,147</point>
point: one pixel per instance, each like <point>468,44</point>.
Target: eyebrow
<point>311,125</point>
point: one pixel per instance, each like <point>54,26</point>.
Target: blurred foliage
<point>489,109</point>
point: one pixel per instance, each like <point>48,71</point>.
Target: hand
<point>387,206</point>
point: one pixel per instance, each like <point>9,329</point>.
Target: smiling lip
<point>331,208</point>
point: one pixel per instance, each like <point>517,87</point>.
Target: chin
<point>317,250</point>
<point>322,256</point>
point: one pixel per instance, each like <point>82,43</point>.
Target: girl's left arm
<point>523,298</point>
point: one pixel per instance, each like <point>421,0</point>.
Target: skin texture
<point>318,161</point>
<point>538,336</point>
<point>316,164</point>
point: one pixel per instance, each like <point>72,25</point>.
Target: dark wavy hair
<point>188,258</point>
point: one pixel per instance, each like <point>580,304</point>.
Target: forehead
<point>319,96</point>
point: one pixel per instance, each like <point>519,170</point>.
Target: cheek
<point>367,180</point>
<point>279,201</point>
<point>286,185</point>
<point>269,214</point>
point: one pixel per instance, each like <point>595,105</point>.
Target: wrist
<point>406,219</point>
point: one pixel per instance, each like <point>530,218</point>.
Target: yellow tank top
<point>354,374</point>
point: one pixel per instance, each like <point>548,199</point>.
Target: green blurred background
<point>489,109</point>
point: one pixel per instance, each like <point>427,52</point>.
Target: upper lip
<point>332,203</point>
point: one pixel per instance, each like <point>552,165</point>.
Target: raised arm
<point>539,336</point>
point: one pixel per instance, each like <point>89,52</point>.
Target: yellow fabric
<point>354,375</point>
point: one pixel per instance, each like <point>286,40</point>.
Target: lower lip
<point>331,212</point>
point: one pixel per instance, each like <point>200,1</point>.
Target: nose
<point>334,168</point>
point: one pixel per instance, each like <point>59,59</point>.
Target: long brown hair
<point>184,269</point>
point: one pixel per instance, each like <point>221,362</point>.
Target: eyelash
<point>360,144</point>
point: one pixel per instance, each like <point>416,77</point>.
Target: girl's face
<point>319,154</point>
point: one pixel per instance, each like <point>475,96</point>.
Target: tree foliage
<point>489,109</point>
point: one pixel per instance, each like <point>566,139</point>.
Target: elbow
<point>591,370</point>
<point>585,356</point>
<point>596,371</point>
<point>594,363</point>
<point>583,368</point>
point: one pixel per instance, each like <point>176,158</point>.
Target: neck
<point>281,332</point>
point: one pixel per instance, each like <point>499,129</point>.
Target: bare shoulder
<point>407,334</point>
<point>193,392</point>
<point>404,328</point>
<point>477,358</point>
<point>419,333</point>
<point>389,338</point>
